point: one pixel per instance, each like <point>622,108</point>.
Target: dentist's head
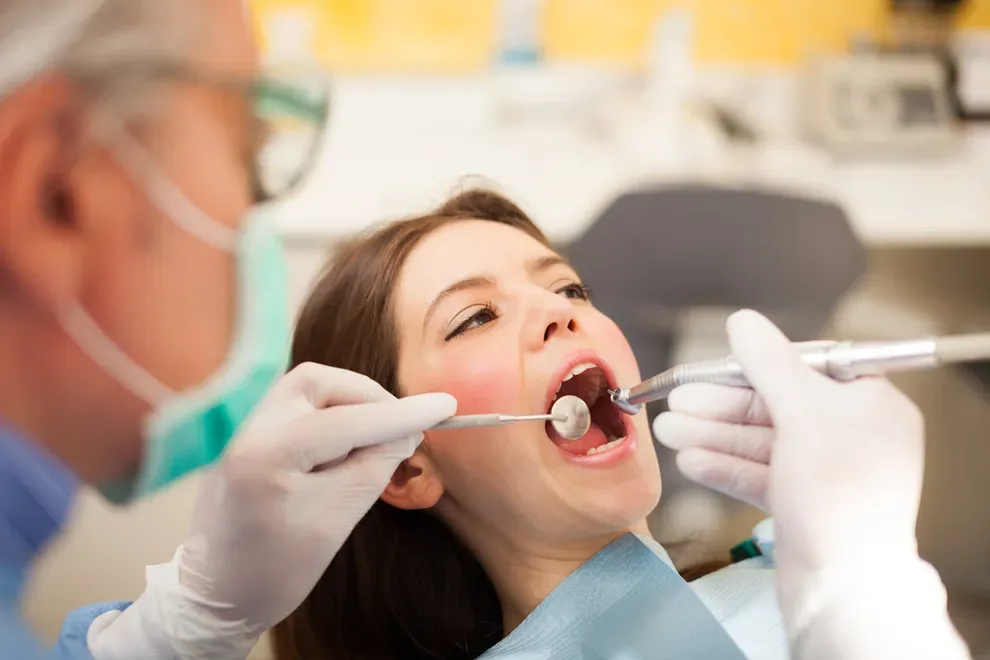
<point>141,290</point>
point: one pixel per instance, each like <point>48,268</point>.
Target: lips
<point>589,377</point>
<point>577,362</point>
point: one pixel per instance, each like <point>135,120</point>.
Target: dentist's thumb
<point>769,360</point>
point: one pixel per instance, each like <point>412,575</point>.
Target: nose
<point>549,315</point>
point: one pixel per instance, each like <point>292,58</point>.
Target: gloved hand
<point>723,437</point>
<point>840,466</point>
<point>306,467</point>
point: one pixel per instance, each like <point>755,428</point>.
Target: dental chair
<point>669,264</point>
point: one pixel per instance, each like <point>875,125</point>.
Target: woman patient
<point>480,526</point>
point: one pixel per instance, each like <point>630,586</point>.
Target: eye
<point>483,316</point>
<point>575,291</point>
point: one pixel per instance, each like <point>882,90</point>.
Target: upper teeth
<point>579,369</point>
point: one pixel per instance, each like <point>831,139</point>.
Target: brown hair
<point>402,586</point>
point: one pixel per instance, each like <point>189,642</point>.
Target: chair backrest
<point>654,252</point>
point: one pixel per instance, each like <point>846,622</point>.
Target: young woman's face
<point>498,320</point>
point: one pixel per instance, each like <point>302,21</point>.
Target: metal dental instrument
<point>843,361</point>
<point>569,415</point>
<point>578,417</point>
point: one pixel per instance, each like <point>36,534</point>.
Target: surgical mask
<point>190,429</point>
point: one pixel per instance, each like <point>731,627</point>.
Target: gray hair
<point>112,48</point>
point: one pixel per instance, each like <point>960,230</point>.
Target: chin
<point>626,498</point>
<point>621,514</point>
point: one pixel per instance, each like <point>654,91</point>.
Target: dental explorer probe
<point>569,415</point>
<point>843,361</point>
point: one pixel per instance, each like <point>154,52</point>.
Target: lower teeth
<point>608,445</point>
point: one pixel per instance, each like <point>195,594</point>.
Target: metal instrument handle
<point>469,422</point>
<point>479,421</point>
<point>722,371</point>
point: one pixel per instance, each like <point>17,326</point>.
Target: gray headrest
<point>688,246</point>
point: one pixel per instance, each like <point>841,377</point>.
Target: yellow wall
<point>452,35</point>
<point>396,35</point>
<point>751,31</point>
<point>977,14</point>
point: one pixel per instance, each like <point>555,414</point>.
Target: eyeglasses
<point>291,115</point>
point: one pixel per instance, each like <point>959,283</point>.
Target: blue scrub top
<point>36,495</point>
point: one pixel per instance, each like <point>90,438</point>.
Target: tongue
<point>595,437</point>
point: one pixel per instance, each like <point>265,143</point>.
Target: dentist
<point>143,322</point>
<point>839,466</point>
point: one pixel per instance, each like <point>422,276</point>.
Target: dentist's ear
<point>415,484</point>
<point>44,247</point>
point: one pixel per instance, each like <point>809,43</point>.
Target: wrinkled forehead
<point>460,250</point>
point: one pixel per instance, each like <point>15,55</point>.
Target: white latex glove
<point>306,467</point>
<point>723,437</point>
<point>840,466</point>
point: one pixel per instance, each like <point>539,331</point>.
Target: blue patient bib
<point>625,603</point>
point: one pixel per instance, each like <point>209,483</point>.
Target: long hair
<point>402,587</point>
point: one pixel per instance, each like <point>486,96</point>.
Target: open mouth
<point>589,382</point>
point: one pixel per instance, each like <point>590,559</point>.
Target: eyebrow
<point>480,281</point>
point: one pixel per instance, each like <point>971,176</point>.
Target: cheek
<point>474,463</point>
<point>620,352</point>
<point>147,311</point>
<point>480,383</point>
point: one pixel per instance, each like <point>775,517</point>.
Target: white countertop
<point>397,147</point>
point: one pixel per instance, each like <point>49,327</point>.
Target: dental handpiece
<point>843,361</point>
<point>569,415</point>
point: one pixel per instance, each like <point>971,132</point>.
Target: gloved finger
<point>325,386</point>
<point>736,405</point>
<point>738,478</point>
<point>329,434</point>
<point>682,432</point>
<point>368,469</point>
<point>769,361</point>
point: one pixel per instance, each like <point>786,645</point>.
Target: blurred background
<point>827,162</point>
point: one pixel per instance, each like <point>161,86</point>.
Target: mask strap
<point>103,351</point>
<point>165,195</point>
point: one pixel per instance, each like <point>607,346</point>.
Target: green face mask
<point>190,429</point>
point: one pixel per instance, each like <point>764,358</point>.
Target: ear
<point>415,484</point>
<point>42,130</point>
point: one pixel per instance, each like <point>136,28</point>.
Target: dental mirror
<point>569,415</point>
<point>577,417</point>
